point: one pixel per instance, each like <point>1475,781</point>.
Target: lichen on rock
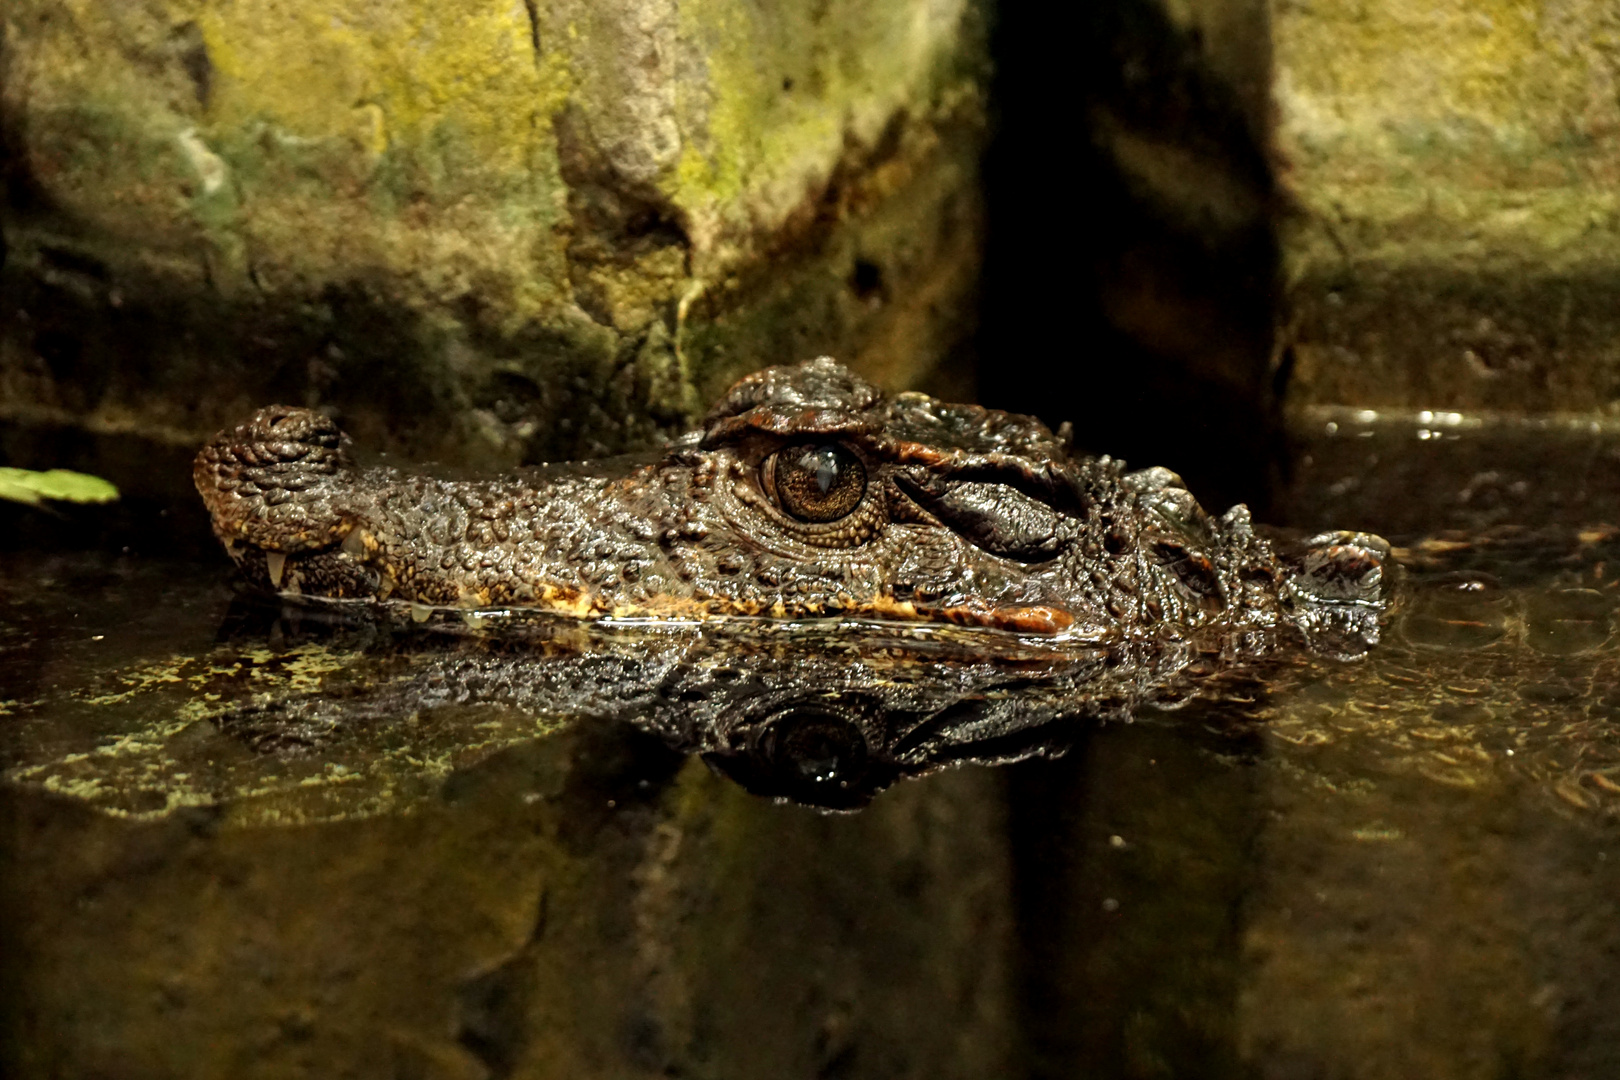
<point>486,233</point>
<point>1454,168</point>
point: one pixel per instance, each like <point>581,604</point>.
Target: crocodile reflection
<point>816,716</point>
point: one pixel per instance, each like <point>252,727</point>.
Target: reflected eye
<point>811,752</point>
<point>815,483</point>
<point>812,749</point>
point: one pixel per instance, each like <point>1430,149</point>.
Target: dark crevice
<point>24,195</point>
<point>74,262</point>
<point>1147,321</point>
<point>866,280</point>
<point>1283,372</point>
<point>192,51</point>
<point>533,9</point>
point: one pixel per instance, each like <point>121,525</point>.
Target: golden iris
<point>819,483</point>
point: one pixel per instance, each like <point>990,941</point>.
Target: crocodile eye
<point>817,483</point>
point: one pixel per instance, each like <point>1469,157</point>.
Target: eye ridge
<point>817,483</point>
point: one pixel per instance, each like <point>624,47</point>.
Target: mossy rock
<point>485,234</point>
<point>1457,233</point>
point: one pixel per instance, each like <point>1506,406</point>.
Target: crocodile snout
<point>262,480</point>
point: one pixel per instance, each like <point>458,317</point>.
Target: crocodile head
<point>806,493</point>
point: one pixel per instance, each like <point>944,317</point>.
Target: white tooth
<point>385,587</point>
<point>354,544</point>
<point>420,612</point>
<point>275,562</point>
<point>473,620</point>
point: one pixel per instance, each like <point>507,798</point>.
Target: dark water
<point>248,843</point>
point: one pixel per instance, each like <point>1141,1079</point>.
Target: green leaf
<point>28,486</point>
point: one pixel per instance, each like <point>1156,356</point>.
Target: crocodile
<point>806,494</point>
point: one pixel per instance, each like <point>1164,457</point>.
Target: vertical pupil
<point>822,463</point>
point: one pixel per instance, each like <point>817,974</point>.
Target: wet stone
<point>1470,713</point>
<point>1552,691</point>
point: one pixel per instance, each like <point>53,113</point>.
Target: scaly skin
<point>968,516</point>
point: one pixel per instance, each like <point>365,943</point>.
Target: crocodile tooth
<point>275,562</point>
<point>420,612</point>
<point>473,620</point>
<point>385,587</point>
<point>354,544</point>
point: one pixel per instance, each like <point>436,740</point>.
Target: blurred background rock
<point>498,234</point>
<point>489,233</point>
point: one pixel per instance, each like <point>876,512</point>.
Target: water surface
<point>245,842</point>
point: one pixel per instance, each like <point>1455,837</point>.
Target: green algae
<point>164,750</point>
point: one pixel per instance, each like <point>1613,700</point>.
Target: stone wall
<point>1454,170</point>
<point>1280,204</point>
<point>488,232</point>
